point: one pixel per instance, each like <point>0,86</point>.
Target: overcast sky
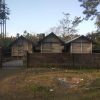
<point>40,15</point>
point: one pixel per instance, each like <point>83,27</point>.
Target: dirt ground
<point>49,84</point>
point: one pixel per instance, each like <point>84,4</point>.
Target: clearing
<point>49,84</point>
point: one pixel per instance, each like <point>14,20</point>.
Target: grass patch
<point>95,83</point>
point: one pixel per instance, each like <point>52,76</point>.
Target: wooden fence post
<point>0,57</point>
<point>25,60</point>
<point>73,61</point>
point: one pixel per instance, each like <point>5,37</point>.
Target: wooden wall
<point>51,48</point>
<point>81,46</point>
<point>51,45</point>
<point>20,47</point>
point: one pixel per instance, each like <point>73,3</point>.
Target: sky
<point>38,16</point>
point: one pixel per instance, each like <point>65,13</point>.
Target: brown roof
<point>21,37</point>
<point>52,35</point>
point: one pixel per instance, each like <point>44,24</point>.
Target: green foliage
<point>90,7</point>
<point>42,92</point>
<point>95,37</point>
<point>98,22</point>
<point>17,35</point>
<point>7,41</point>
<point>39,88</point>
<point>91,10</point>
<point>4,11</point>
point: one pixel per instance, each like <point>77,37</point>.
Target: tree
<point>4,12</point>
<point>27,34</point>
<point>95,36</point>
<point>91,11</point>
<point>17,35</point>
<point>67,27</point>
<point>31,36</point>
<point>55,29</point>
<point>98,23</point>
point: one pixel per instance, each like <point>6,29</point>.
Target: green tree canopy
<point>91,10</point>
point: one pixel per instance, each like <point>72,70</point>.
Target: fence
<point>8,61</point>
<point>63,59</point>
<point>59,60</point>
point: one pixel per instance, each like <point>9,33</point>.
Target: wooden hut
<point>80,44</point>
<point>20,46</point>
<point>51,44</point>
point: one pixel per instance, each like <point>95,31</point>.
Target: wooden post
<point>41,47</point>
<point>91,48</point>
<point>81,47</point>
<point>71,48</point>
<point>25,60</point>
<point>73,60</point>
<point>0,57</point>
